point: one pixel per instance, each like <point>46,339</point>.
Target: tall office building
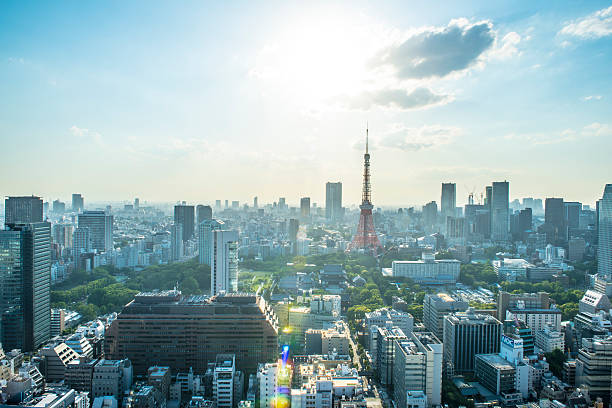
<point>305,207</point>
<point>436,306</point>
<point>604,248</point>
<point>525,220</point>
<point>448,202</point>
<point>500,211</point>
<point>218,204</point>
<point>467,334</point>
<point>255,204</point>
<point>593,366</point>
<point>161,328</point>
<point>184,215</point>
<point>78,203</point>
<point>59,207</point>
<point>572,214</point>
<point>176,242</point>
<point>224,262</point>
<point>81,243</point>
<point>224,378</point>
<point>555,226</point>
<point>136,203</point>
<point>23,209</point>
<point>25,281</point>
<point>294,227</point>
<point>203,212</point>
<point>100,225</point>
<point>418,366</point>
<point>333,201</point>
<point>430,214</point>
<point>205,229</point>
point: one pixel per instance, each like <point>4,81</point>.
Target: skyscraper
<point>333,201</point>
<point>100,225</point>
<point>78,202</point>
<point>572,214</point>
<point>23,209</point>
<point>430,214</point>
<point>365,238</point>
<point>604,248</point>
<point>81,243</point>
<point>448,202</point>
<point>305,207</point>
<point>205,229</point>
<point>184,215</point>
<point>555,226</point>
<point>204,212</point>
<point>224,262</point>
<point>500,211</point>
<point>25,282</point>
<point>255,204</point>
<point>176,242</point>
<point>294,227</point>
<point>59,207</point>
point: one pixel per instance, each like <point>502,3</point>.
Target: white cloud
<point>592,98</point>
<point>396,99</point>
<point>595,129</point>
<point>424,137</point>
<point>595,25</point>
<point>84,133</point>
<point>507,47</point>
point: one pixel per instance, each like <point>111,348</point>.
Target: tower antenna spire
<point>367,137</point>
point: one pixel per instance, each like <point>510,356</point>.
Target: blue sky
<point>201,101</point>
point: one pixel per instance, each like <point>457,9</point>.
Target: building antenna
<point>367,125</point>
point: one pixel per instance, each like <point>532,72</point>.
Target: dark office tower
<point>100,225</point>
<point>554,221</point>
<point>78,202</point>
<point>204,212</point>
<point>294,227</point>
<point>25,281</point>
<point>23,209</point>
<point>525,220</point>
<point>333,201</point>
<point>430,214</point>
<point>162,328</point>
<point>184,215</point>
<point>500,211</point>
<point>255,204</point>
<point>59,207</point>
<point>136,203</point>
<point>305,207</point>
<point>572,214</point>
<point>604,248</point>
<point>448,203</point>
<point>467,334</point>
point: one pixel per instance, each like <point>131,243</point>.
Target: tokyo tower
<point>366,237</point>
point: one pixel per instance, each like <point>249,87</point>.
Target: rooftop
<point>496,361</point>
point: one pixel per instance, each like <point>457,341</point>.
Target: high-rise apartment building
<point>25,282</point>
<point>176,242</point>
<point>594,366</point>
<point>333,201</point>
<point>100,225</point>
<point>23,209</point>
<point>305,207</point>
<point>224,261</point>
<point>467,334</point>
<point>418,366</point>
<point>500,211</point>
<point>78,202</point>
<point>162,328</point>
<point>436,306</point>
<point>604,248</point>
<point>223,385</point>
<point>448,202</point>
<point>184,215</point>
<point>205,230</point>
<point>387,338</point>
<point>203,212</point>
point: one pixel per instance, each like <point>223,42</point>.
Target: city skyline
<point>176,101</point>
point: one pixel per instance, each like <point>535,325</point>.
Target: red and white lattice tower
<point>366,237</point>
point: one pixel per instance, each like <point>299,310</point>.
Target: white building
<point>224,261</point>
<point>537,319</point>
<point>428,270</point>
<point>266,376</point>
<point>511,269</point>
<point>223,380</point>
<point>548,340</point>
